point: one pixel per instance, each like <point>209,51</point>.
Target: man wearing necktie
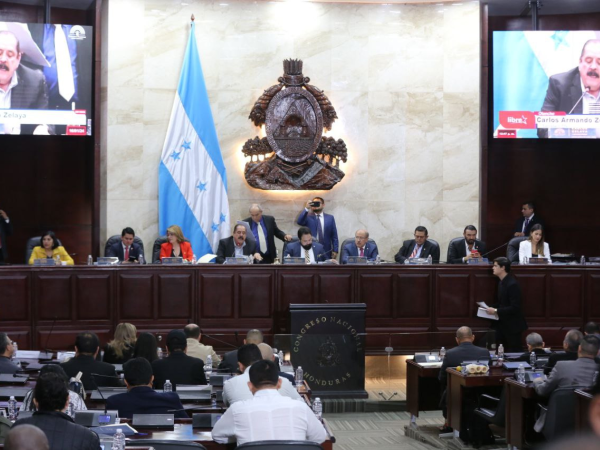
<point>5,230</point>
<point>265,229</point>
<point>127,251</point>
<point>312,252</point>
<point>528,220</point>
<point>419,247</point>
<point>360,247</point>
<point>321,225</point>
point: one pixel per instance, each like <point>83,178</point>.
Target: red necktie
<point>362,252</point>
<point>127,253</point>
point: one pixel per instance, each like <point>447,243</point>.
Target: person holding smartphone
<point>460,251</point>
<point>322,226</point>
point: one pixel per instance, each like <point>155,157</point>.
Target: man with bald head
<point>265,229</point>
<point>360,247</point>
<point>230,359</point>
<point>465,351</point>
<point>26,437</point>
<point>197,349</point>
<point>267,354</point>
<point>570,345</point>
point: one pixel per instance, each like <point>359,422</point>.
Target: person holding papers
<point>511,321</point>
<point>534,246</point>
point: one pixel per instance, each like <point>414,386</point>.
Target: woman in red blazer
<point>176,245</point>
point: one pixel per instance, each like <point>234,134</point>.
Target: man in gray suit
<point>572,374</point>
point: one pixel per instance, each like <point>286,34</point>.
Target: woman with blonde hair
<point>176,245</point>
<point>120,349</point>
<point>534,246</point>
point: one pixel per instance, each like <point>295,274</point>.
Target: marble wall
<point>404,79</point>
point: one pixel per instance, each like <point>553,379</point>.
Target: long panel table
<point>232,299</point>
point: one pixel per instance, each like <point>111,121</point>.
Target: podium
<point>328,341</point>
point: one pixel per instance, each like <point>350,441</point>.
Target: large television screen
<point>546,84</point>
<point>45,79</point>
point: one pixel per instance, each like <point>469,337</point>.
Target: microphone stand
<point>221,341</point>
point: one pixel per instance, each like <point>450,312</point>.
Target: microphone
<point>93,378</point>
<point>585,91</point>
<point>221,341</point>
<point>324,253</point>
<point>497,248</point>
<point>236,338</point>
<point>48,338</point>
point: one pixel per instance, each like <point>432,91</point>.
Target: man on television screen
<point>578,90</point>
<point>20,86</point>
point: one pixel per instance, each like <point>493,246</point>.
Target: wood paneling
<point>413,308</point>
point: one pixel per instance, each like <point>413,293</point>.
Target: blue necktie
<point>319,229</point>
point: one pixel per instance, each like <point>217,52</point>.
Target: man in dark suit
<point>419,247</point>
<point>321,225</point>
<point>178,367</point>
<point>535,344</point>
<point>465,351</point>
<point>461,251</point>
<point>230,359</point>
<point>570,345</point>
<point>236,246</point>
<point>7,350</point>
<point>5,230</point>
<point>127,251</point>
<point>87,346</point>
<point>265,229</point>
<point>51,398</point>
<point>511,321</point>
<point>566,90</point>
<point>360,247</point>
<point>27,86</point>
<point>529,219</point>
<point>312,252</point>
<point>141,398</point>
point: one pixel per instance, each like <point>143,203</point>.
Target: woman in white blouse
<point>534,246</point>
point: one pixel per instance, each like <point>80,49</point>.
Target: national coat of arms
<point>295,154</point>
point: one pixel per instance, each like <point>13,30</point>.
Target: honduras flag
<point>192,182</point>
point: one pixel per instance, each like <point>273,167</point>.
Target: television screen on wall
<point>46,79</point>
<point>546,84</point>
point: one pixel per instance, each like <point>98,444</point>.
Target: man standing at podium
<point>264,228</point>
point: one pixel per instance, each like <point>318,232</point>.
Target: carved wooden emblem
<point>295,155</point>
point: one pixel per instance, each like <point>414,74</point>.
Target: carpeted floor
<point>378,430</point>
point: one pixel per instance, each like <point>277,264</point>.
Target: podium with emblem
<point>328,342</point>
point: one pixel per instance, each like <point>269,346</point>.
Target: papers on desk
<point>28,354</point>
<point>482,312</point>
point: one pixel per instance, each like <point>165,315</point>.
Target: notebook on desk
<point>13,379</point>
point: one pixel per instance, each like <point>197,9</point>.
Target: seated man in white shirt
<point>267,416</point>
<point>236,388</point>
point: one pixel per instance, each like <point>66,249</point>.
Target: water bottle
<point>442,353</point>
<point>429,260</point>
<point>281,357</point>
<point>141,259</point>
<point>501,352</point>
<point>90,260</point>
<point>318,408</point>
<point>532,359</point>
<point>118,442</point>
<point>299,377</point>
<point>159,352</point>
<point>208,367</point>
<point>582,261</point>
<point>213,399</point>
<point>58,260</point>
<point>12,408</point>
<point>378,260</point>
<point>521,374</point>
<point>168,387</point>
<point>194,259</point>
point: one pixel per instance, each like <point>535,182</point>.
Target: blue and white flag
<point>192,182</point>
